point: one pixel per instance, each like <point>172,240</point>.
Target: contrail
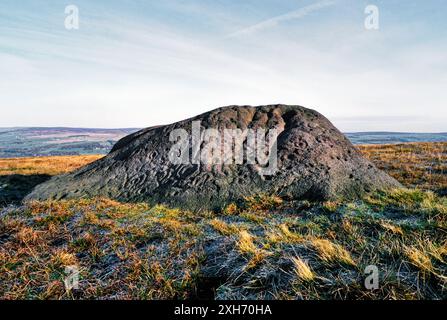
<point>272,22</point>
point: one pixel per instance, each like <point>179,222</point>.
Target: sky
<point>140,63</point>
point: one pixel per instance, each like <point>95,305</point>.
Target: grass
<point>122,250</point>
<point>419,259</point>
<point>140,251</point>
<point>331,252</point>
<point>282,234</point>
<point>223,227</point>
<point>44,165</point>
<point>421,165</point>
<point>302,269</point>
<point>263,247</point>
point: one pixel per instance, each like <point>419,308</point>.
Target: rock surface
<point>315,161</point>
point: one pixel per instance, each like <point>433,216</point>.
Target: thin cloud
<point>117,69</point>
<point>272,22</point>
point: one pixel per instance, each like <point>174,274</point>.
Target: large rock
<point>315,161</point>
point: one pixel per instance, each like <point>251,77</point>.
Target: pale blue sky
<point>141,63</point>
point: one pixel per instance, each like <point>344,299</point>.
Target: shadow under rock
<point>14,187</point>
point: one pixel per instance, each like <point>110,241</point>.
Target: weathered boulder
<point>314,161</point>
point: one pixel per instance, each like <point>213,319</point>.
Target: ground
<point>18,176</point>
<point>416,165</point>
<point>262,247</point>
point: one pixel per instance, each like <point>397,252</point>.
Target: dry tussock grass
<point>331,252</point>
<point>422,165</point>
<point>45,165</point>
<point>302,269</point>
<point>153,252</point>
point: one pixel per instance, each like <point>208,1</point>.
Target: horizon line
<point>141,128</point>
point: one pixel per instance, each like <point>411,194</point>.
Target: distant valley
<point>394,137</point>
<point>33,142</point>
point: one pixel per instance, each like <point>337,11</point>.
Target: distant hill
<point>38,141</point>
<point>31,142</point>
<point>394,137</point>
